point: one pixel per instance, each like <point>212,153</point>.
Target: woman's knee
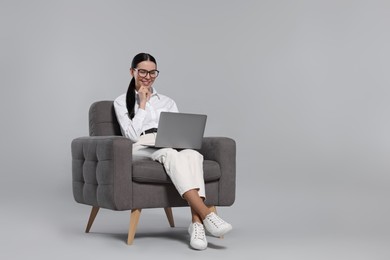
<point>163,153</point>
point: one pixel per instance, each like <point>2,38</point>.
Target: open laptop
<point>180,130</point>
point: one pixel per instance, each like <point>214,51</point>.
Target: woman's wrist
<point>142,105</point>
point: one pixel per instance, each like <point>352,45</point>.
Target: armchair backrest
<point>102,119</point>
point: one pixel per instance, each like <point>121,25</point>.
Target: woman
<point>138,112</point>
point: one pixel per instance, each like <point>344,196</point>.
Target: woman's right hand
<point>144,96</point>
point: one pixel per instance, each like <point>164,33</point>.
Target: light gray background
<point>302,86</point>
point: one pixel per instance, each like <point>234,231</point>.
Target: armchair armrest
<point>223,151</point>
<point>102,171</point>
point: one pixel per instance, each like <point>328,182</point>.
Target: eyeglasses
<point>143,73</point>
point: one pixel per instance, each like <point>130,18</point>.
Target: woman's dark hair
<point>130,95</point>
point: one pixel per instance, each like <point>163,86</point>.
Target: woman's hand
<point>144,94</point>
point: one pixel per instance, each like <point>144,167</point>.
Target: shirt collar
<point>155,93</point>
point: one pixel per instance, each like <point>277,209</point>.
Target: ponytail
<point>130,98</point>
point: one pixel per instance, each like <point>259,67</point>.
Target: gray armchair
<point>105,176</point>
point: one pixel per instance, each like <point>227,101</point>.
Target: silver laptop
<point>180,130</point>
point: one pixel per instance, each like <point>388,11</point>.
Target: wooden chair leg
<point>134,218</point>
<point>168,212</point>
<point>92,217</point>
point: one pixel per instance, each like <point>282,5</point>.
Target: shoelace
<point>199,231</point>
<point>216,220</point>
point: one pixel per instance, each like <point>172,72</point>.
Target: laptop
<point>180,130</point>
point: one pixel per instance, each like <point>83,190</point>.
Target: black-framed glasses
<point>143,73</point>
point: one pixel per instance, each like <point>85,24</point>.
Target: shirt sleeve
<point>129,128</point>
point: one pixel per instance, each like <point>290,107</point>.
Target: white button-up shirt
<point>143,119</point>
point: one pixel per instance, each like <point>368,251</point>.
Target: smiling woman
<point>138,112</point>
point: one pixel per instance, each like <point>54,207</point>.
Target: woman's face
<point>139,71</point>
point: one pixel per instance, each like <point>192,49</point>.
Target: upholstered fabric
<point>102,171</point>
<point>102,119</point>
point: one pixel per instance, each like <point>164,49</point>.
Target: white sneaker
<point>215,225</point>
<point>198,237</point>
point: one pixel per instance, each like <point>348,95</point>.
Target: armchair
<point>105,176</point>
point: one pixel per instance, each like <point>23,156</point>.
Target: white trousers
<point>184,167</point>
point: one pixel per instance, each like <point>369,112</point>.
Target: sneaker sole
<point>219,234</point>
